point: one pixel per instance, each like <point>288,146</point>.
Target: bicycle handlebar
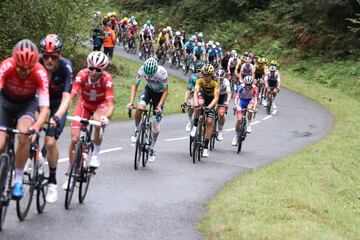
<point>84,120</point>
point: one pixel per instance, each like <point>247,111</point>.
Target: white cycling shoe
<point>248,129</point>
<point>220,136</point>
<point>205,153</point>
<point>235,140</point>
<point>95,161</point>
<point>193,131</point>
<point>51,195</point>
<point>188,127</point>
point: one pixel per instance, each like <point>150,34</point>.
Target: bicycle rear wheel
<point>4,195</point>
<point>42,189</point>
<point>191,145</point>
<point>241,137</point>
<point>214,135</point>
<point>268,106</point>
<point>84,182</point>
<point>73,174</point>
<point>29,180</point>
<point>147,143</point>
<point>138,149</point>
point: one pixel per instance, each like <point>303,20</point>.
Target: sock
<point>52,175</point>
<point>96,150</point>
<point>153,142</point>
<point>249,122</point>
<point>220,128</point>
<point>206,143</point>
<point>190,118</point>
<point>19,173</point>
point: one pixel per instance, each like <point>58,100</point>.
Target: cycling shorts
<point>148,95</point>
<point>208,100</point>
<point>222,99</point>
<point>86,110</point>
<point>273,84</point>
<point>11,112</point>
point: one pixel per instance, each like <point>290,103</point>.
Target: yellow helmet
<point>109,14</point>
<point>266,60</point>
<point>113,14</point>
<point>273,62</point>
<point>261,60</point>
<point>126,19</point>
<point>208,70</point>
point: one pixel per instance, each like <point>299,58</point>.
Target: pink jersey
<point>96,93</point>
<point>21,90</point>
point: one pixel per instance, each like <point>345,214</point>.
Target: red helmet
<point>51,44</point>
<point>25,53</point>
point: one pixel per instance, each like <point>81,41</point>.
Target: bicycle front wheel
<point>138,149</point>
<point>85,175</point>
<point>73,174</point>
<point>147,143</point>
<point>30,176</point>
<point>241,136</point>
<point>4,173</point>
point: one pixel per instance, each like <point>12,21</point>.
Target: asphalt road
<point>166,199</point>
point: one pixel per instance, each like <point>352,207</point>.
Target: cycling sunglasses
<point>52,56</point>
<point>98,70</point>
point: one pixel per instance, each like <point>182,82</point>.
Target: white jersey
<point>224,86</point>
<point>158,82</point>
<point>233,61</point>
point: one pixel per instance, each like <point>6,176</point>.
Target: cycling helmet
<point>133,17</point>
<point>233,53</point>
<point>273,62</point>
<point>198,66</point>
<point>126,19</point>
<point>246,54</point>
<point>220,74</point>
<point>266,60</point>
<point>200,35</point>
<point>261,60</point>
<point>272,68</point>
<point>207,70</point>
<point>168,28</point>
<point>247,60</point>
<point>211,42</point>
<point>150,66</point>
<point>113,14</point>
<point>164,30</point>
<point>97,59</point>
<point>152,28</point>
<point>228,54</point>
<point>248,80</point>
<point>177,33</point>
<point>97,13</point>
<point>148,22</point>
<point>51,44</point>
<point>217,44</point>
<point>109,14</point>
<point>134,23</point>
<point>25,53</point>
<point>199,44</point>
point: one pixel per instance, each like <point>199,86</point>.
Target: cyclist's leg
<point>156,118</point>
<point>222,110</point>
<point>5,120</point>
<point>144,99</point>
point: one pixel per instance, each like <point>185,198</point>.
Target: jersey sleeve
<point>42,81</point>
<point>68,77</point>
<point>109,90</point>
<point>76,85</point>
<point>227,85</point>
<point>197,84</point>
<point>165,80</point>
<point>5,69</point>
<point>139,75</point>
<point>217,87</point>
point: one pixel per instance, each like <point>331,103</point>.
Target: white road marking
<point>266,118</point>
<point>229,129</point>
<point>101,152</point>
<point>175,139</point>
<point>274,112</point>
<point>256,122</point>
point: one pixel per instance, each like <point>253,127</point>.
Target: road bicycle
<point>144,137</point>
<point>270,101</point>
<point>80,171</point>
<point>242,133</point>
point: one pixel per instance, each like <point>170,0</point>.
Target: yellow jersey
<point>261,68</point>
<point>207,88</point>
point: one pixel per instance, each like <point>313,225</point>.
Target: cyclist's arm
<point>109,96</point>
<point>228,91</point>
<point>43,90</point>
<point>163,97</point>
<point>216,96</point>
<point>266,81</point>
<point>5,68</point>
<point>196,92</point>
<point>255,97</point>
<point>135,86</point>
<point>66,97</point>
<point>279,80</point>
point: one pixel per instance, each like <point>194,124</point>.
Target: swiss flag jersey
<point>99,92</point>
<point>21,90</point>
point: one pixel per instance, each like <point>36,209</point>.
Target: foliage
<point>34,19</point>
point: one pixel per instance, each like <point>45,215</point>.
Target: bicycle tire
<point>84,183</point>
<point>268,106</point>
<point>241,136</point>
<point>201,137</point>
<point>146,148</point>
<point>41,194</point>
<point>4,161</point>
<point>191,145</point>
<point>214,134</point>
<point>73,174</point>
<point>29,181</point>
<point>138,150</point>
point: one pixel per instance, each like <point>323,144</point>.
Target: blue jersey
<point>199,51</point>
<point>212,53</point>
<point>192,81</point>
<point>61,81</point>
<point>189,46</point>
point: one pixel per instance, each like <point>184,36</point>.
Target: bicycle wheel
<point>84,182</point>
<point>73,174</point>
<point>214,134</point>
<point>4,195</point>
<point>29,180</point>
<point>147,143</point>
<point>138,148</point>
<point>42,189</point>
<point>201,137</point>
<point>268,106</point>
<point>191,145</point>
<point>241,136</point>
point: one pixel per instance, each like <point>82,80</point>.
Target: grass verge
<point>311,194</point>
<point>123,72</point>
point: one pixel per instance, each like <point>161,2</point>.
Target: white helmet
<point>152,28</point>
<point>233,53</point>
<point>97,59</point>
<point>211,42</point>
<point>200,35</point>
<point>134,23</point>
<point>97,13</point>
<point>168,28</point>
<point>217,44</point>
<point>248,80</point>
<point>177,33</point>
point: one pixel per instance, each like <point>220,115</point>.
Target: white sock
<point>96,150</point>
<point>19,173</point>
<point>152,146</point>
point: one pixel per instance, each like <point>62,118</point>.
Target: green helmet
<point>198,66</point>
<point>150,66</point>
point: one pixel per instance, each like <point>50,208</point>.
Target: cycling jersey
<point>212,53</point>
<point>224,87</point>
<point>219,51</point>
<point>233,61</point>
<point>22,90</point>
<point>163,37</point>
<point>247,71</point>
<point>207,88</point>
<point>246,96</point>
<point>192,81</point>
<point>199,51</point>
<point>158,82</point>
<point>96,93</point>
<point>61,80</point>
<point>177,41</point>
<point>272,79</point>
<point>224,63</point>
<point>190,47</point>
<point>260,68</point>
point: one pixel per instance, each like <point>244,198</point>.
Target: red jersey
<point>21,90</point>
<point>131,30</point>
<point>99,92</point>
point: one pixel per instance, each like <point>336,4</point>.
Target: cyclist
<point>219,50</point>
<point>199,52</point>
<point>170,31</point>
<point>131,34</point>
<point>95,88</point>
<point>206,93</point>
<point>189,94</point>
<point>200,39</point>
<point>272,83</point>
<point>233,62</point>
<point>189,49</point>
<point>156,90</point>
<point>163,39</point>
<point>225,61</point>
<point>60,72</point>
<point>224,99</point>
<point>246,98</point>
<point>260,71</point>
<point>21,77</point>
<point>145,35</point>
<point>247,69</point>
<point>177,44</point>
<point>212,55</point>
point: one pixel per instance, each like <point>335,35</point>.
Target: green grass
<point>311,194</point>
<point>123,72</point>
